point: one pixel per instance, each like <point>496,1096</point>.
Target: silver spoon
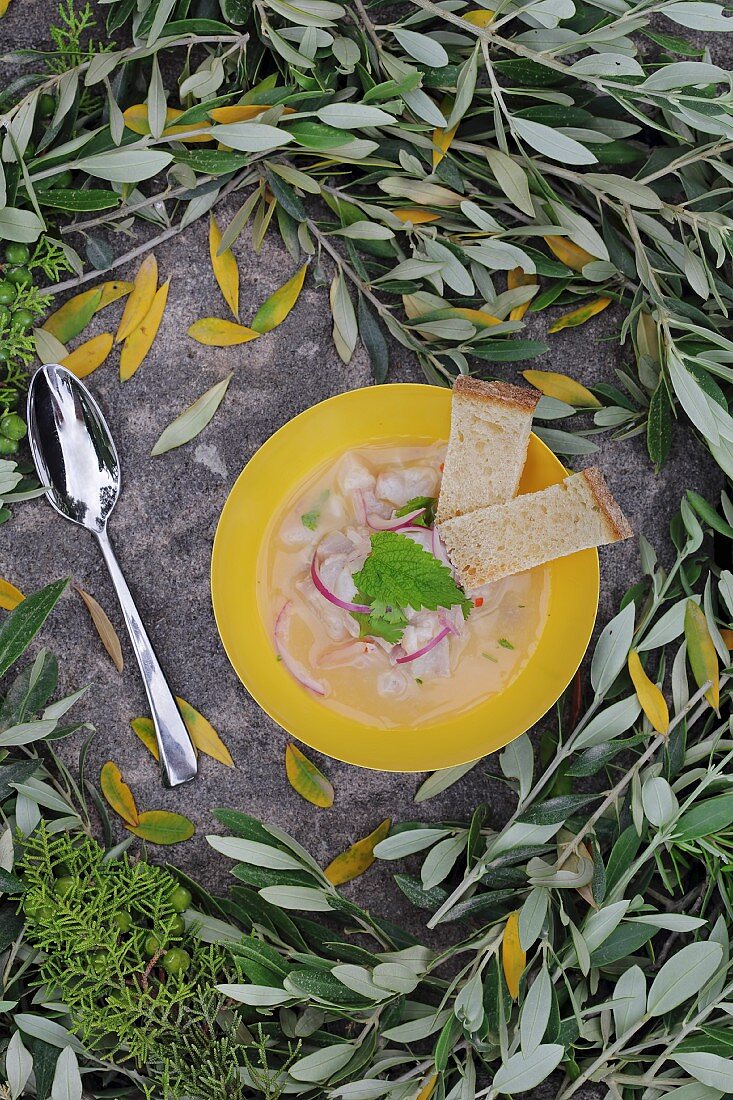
<point>76,459</point>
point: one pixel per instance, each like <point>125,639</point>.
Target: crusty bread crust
<point>505,393</point>
<point>617,523</point>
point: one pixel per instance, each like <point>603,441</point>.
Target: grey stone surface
<point>165,521</point>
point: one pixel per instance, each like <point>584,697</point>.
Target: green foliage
<point>510,142</point>
<point>121,998</point>
<point>69,36</point>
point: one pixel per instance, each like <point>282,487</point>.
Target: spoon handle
<point>177,756</point>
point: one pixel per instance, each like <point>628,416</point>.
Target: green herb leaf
<point>400,573</point>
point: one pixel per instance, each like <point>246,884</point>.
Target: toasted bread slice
<point>508,538</point>
<point>490,426</point>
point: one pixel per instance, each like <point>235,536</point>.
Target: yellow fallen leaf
<point>701,653</point>
<point>513,956</point>
<point>649,695</point>
<point>64,323</point>
<point>73,316</point>
<point>358,858</point>
<point>118,794</point>
<point>203,734</point>
<point>163,827</point>
<point>145,730</point>
<point>568,253</point>
<point>89,355</point>
<point>112,291</point>
<point>305,778</point>
<point>141,297</point>
<point>138,343</point>
<point>479,17</point>
<point>275,309</point>
<point>215,332</point>
<point>415,215</point>
<point>428,1088</point>
<point>136,119</point>
<point>10,596</point>
<point>225,268</point>
<point>441,143</point>
<point>562,388</point>
<point>515,278</point>
<point>106,631</point>
<point>727,636</point>
<point>477,317</point>
<point>580,315</point>
<point>4,5</point>
<point>242,112</point>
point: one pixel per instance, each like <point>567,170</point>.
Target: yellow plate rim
<point>458,739</point>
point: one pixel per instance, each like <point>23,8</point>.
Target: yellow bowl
<point>355,419</point>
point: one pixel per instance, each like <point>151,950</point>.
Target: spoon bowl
<point>72,448</point>
<point>77,461</point>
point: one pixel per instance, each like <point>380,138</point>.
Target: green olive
<point>22,318</point>
<point>176,962</point>
<point>100,961</point>
<point>123,921</point>
<point>17,253</point>
<point>152,945</point>
<point>180,899</point>
<point>8,446</point>
<point>13,426</point>
<point>64,885</point>
<point>19,276</point>
<point>177,925</point>
<point>46,105</point>
<point>7,293</point>
<point>38,910</point>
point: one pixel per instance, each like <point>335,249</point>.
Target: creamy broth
<point>332,516</point>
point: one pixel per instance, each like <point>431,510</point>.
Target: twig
<point>141,249</point>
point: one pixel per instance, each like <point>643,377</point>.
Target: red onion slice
<point>439,550</point>
<point>357,608</point>
<point>394,523</point>
<point>294,667</point>
<point>426,648</point>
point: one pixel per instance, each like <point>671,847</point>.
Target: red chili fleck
<point>478,602</point>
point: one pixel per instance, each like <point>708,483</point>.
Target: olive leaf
<point>106,631</point>
<point>358,858</point>
<point>139,341</point>
<point>140,299</point>
<point>192,420</point>
<point>308,780</point>
<point>85,358</point>
<point>10,596</point>
<point>118,794</point>
<point>163,827</point>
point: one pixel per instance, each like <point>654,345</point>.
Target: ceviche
<point>365,608</point>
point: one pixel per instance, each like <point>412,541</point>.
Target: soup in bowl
<point>403,665</point>
<point>302,520</point>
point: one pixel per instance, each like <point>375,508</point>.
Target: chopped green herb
<point>381,622</point>
<point>428,517</point>
<point>505,643</point>
<point>310,519</point>
<point>418,680</point>
<point>489,657</point>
